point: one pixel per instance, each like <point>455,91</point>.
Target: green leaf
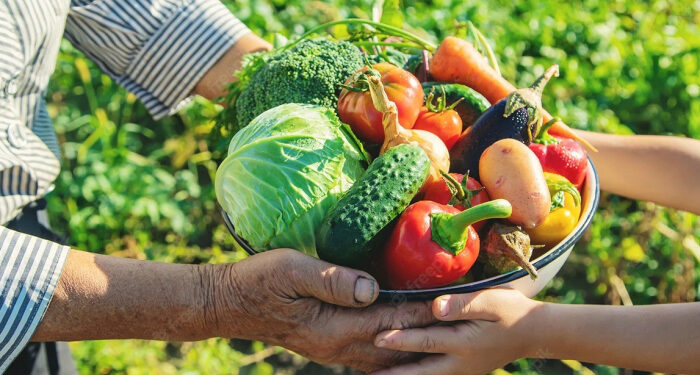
<point>388,12</point>
<point>284,171</point>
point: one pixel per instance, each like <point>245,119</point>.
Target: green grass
<point>138,188</point>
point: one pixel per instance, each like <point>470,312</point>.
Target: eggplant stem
<point>531,99</point>
<point>541,82</point>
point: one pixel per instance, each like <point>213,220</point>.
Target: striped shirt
<point>157,49</point>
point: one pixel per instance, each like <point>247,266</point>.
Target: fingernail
<point>381,343</point>
<point>364,290</point>
<point>443,307</point>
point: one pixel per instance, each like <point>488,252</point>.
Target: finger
<point>367,357</point>
<point>332,284</point>
<point>439,364</point>
<point>366,323</point>
<point>482,305</point>
<point>438,339</point>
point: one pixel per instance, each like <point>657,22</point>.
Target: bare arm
<point>494,327</point>
<point>213,84</point>
<point>661,338</point>
<point>100,297</point>
<point>660,169</point>
<point>281,297</point>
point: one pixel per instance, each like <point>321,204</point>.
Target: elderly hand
<point>491,330</point>
<point>311,307</point>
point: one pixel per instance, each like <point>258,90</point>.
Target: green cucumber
<point>354,227</point>
<point>469,109</point>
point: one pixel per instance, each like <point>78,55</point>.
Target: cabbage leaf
<point>283,173</point>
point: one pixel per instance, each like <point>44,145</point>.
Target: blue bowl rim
<point>414,294</point>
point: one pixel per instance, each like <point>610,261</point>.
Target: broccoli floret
<point>310,72</point>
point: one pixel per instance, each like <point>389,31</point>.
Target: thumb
<point>334,284</point>
<point>482,305</point>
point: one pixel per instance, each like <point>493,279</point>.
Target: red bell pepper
<point>434,244</point>
<point>562,156</point>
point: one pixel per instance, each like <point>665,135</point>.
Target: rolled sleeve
<point>29,271</point>
<point>157,49</point>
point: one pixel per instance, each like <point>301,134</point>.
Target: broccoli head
<point>310,72</point>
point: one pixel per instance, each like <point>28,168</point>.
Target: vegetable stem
<point>485,45</point>
<point>389,44</point>
<point>391,30</point>
<point>450,231</point>
<point>390,114</point>
<point>495,209</point>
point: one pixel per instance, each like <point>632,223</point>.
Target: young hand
<point>490,329</point>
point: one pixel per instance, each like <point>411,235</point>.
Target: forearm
<point>214,82</point>
<point>663,338</point>
<point>103,297</point>
<point>660,169</point>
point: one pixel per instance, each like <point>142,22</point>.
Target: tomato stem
<point>450,231</point>
<point>440,102</point>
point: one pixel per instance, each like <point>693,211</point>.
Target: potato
<point>509,170</point>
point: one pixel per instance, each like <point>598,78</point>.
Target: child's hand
<point>492,329</point>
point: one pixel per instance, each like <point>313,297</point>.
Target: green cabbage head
<point>284,171</point>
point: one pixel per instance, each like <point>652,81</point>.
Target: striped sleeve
<point>157,49</point>
<point>29,271</point>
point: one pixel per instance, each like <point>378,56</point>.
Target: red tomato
<point>357,110</point>
<point>437,191</point>
<point>447,125</point>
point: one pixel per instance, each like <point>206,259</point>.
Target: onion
<point>395,134</point>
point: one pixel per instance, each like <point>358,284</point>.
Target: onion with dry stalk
<point>395,134</point>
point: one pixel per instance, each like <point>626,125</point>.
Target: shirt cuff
<point>170,64</point>
<point>29,271</point>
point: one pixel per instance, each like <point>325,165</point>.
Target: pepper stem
<point>531,99</point>
<point>544,137</point>
<point>450,231</point>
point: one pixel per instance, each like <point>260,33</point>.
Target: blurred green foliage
<point>138,188</point>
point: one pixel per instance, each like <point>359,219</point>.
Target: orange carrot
<point>456,60</point>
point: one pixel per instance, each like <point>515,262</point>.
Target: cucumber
<point>353,228</point>
<point>469,109</point>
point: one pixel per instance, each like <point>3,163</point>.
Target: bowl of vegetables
<point>547,264</point>
<point>408,167</point>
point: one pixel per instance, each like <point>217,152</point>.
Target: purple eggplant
<point>518,116</point>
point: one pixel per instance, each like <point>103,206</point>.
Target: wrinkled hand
<point>491,330</point>
<point>314,308</point>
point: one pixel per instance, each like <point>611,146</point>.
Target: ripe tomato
<point>437,191</point>
<point>447,125</point>
<point>357,110</point>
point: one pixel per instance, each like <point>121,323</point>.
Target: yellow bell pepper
<point>565,213</point>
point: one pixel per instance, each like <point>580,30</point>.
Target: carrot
<point>456,60</point>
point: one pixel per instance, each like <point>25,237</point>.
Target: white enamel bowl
<point>548,264</point>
